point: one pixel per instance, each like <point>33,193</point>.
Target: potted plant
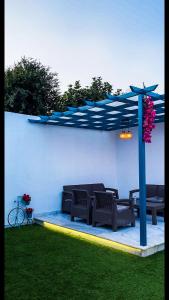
<point>26,199</point>
<point>29,211</point>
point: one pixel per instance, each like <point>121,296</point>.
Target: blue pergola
<point>113,113</point>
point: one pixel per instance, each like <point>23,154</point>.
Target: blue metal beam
<point>142,174</point>
<point>145,90</point>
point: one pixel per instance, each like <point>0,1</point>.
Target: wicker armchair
<point>154,193</point>
<point>107,211</point>
<point>90,188</point>
<point>81,205</point>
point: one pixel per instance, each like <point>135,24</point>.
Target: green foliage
<point>75,95</point>
<point>30,88</point>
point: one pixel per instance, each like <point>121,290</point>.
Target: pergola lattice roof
<point>115,112</point>
<point>112,113</point>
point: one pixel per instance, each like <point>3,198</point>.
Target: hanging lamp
<point>126,134</point>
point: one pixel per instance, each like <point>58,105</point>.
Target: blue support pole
<point>142,174</point>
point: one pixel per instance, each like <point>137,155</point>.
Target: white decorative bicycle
<point>17,215</point>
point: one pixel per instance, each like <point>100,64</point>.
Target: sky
<point>120,40</point>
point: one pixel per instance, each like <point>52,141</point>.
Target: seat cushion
<point>155,199</point>
<point>106,210</point>
<point>121,207</point>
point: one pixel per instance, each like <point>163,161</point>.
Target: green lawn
<point>44,265</point>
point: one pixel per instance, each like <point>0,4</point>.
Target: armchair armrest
<point>113,190</point>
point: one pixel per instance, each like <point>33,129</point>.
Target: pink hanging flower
<point>148,119</point>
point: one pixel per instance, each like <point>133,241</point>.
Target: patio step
<point>139,251</point>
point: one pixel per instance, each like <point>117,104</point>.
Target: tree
<point>30,88</point>
<point>75,95</point>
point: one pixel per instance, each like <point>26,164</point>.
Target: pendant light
<point>126,134</point>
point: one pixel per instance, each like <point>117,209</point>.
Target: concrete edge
<point>90,238</point>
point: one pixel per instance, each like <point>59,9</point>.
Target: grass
<point>44,265</point>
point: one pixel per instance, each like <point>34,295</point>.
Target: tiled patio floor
<point>129,236</point>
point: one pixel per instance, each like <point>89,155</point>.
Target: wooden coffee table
<point>153,207</point>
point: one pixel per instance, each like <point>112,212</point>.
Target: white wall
<point>40,159</point>
<point>127,160</point>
